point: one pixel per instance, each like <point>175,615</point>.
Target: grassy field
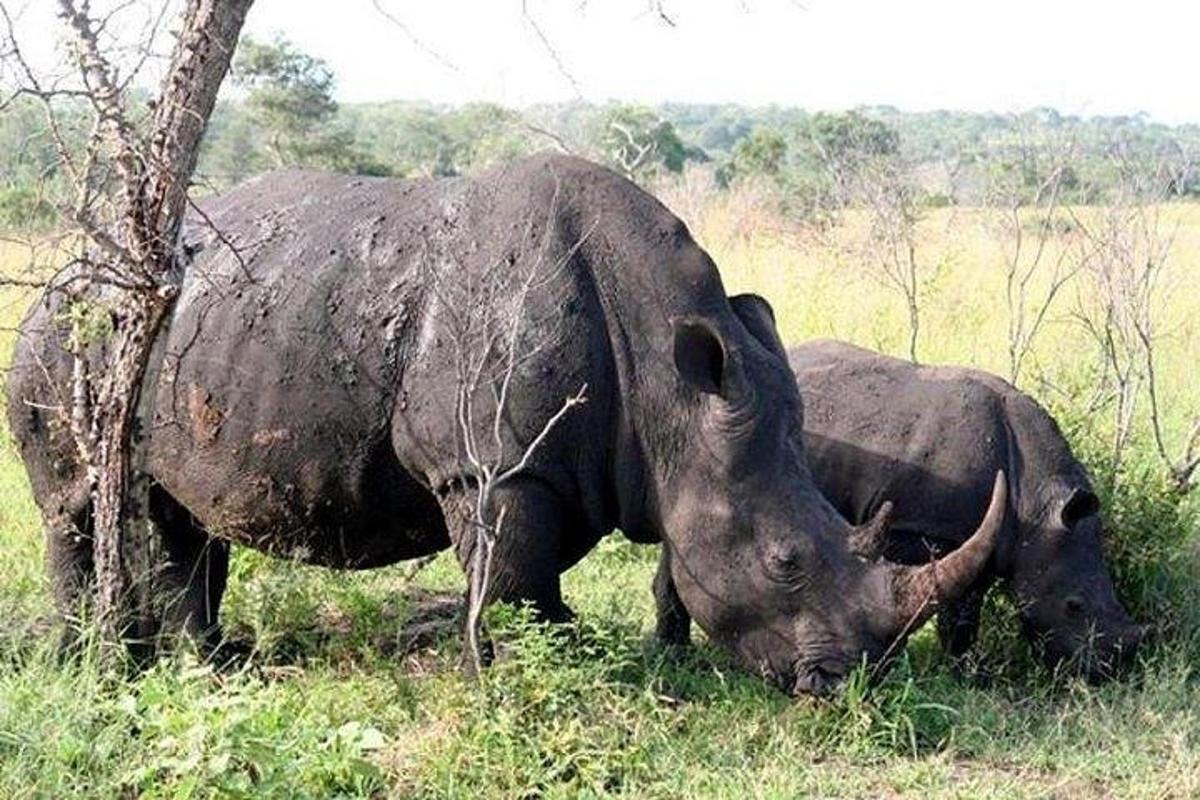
<point>339,701</point>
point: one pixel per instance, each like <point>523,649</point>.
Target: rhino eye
<point>784,564</point>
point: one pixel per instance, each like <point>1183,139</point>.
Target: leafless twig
<point>551,51</point>
<point>412,37</point>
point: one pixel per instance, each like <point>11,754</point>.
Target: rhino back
<point>930,439</point>
<point>299,399</point>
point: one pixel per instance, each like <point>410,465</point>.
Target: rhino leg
<point>528,555</point>
<point>673,624</point>
<point>71,570</point>
<point>958,628</point>
<point>193,575</point>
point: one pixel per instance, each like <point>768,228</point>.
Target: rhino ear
<point>1080,503</point>
<point>700,356</point>
<point>759,318</point>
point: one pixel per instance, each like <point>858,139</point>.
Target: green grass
<point>335,704</point>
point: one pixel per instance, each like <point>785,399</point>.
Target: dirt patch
<point>204,414</point>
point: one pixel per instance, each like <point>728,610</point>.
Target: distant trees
<point>761,154</point>
<point>813,161</point>
<point>30,172</point>
<point>847,141</point>
<point>291,100</point>
<point>1125,246</point>
<point>640,144</point>
<point>862,169</point>
<point>288,117</point>
<point>25,208</point>
<point>421,139</point>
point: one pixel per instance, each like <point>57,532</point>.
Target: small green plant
<point>87,321</point>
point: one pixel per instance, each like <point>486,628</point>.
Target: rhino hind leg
<point>71,571</point>
<point>191,577</point>
<point>673,623</point>
<point>528,555</point>
<point>193,574</point>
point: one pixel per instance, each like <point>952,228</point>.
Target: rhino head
<point>1063,588</point>
<point>760,559</point>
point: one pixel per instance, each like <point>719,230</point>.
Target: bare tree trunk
<point>142,249</point>
<point>116,533</point>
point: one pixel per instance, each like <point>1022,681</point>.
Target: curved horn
<point>919,590</point>
<point>869,539</point>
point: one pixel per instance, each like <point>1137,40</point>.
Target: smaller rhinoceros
<point>931,439</point>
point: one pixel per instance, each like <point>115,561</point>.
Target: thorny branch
<point>548,46</point>
<point>1127,248</point>
<point>486,316</point>
<point>1007,206</point>
<point>128,181</point>
<point>412,37</point>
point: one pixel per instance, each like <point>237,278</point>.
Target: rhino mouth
<point>1095,656</point>
<point>817,682</point>
<point>1100,657</point>
<point>821,679</point>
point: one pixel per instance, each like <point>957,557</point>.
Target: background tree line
<point>282,113</point>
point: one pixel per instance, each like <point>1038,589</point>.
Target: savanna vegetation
<point>1060,252</point>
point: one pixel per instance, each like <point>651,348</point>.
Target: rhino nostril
<point>810,682</point>
<point>816,682</point>
<point>1073,606</point>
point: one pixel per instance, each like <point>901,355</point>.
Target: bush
<point>1150,529</point>
<point>21,208</point>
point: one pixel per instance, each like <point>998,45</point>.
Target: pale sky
<point>1097,57</point>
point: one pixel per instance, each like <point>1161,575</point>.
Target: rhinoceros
<point>880,430</point>
<point>303,402</point>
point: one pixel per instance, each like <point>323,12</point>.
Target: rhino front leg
<point>528,554</point>
<point>674,624</point>
<point>958,628</point>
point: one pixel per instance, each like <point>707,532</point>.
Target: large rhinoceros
<point>931,438</point>
<point>303,402</point>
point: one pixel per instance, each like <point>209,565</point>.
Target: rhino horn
<point>869,539</point>
<point>920,590</point>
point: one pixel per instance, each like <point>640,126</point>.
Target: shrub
<point>21,208</point>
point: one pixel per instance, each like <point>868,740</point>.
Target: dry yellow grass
<point>818,290</point>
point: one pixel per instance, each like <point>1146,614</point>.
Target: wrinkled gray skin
<point>931,438</point>
<point>303,404</point>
